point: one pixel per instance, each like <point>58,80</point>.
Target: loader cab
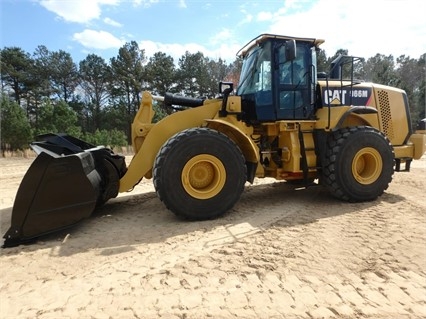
<point>278,78</point>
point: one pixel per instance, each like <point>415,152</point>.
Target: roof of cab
<point>263,37</point>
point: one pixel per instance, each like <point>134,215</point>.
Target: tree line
<point>96,100</point>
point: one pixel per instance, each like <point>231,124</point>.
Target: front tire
<point>199,174</point>
<point>358,164</point>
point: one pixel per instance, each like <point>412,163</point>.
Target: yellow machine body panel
<point>418,142</point>
<point>390,116</point>
<point>392,105</point>
<point>288,135</point>
<point>156,135</point>
<point>239,133</point>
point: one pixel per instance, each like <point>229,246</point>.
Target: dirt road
<point>280,253</point>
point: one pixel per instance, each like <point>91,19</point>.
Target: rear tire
<point>199,174</point>
<point>358,164</point>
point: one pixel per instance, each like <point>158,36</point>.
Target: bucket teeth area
<point>60,190</point>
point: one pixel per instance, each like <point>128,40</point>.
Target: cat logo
<point>346,96</point>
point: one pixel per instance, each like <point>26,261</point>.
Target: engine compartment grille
<point>385,113</point>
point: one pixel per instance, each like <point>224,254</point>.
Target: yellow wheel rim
<point>367,166</point>
<point>203,176</point>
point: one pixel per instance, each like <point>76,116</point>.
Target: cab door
<point>292,78</point>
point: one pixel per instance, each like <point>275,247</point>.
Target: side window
<point>263,70</point>
<point>256,74</point>
<point>263,77</point>
<point>264,83</point>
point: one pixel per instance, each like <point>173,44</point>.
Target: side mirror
<point>226,87</point>
<point>290,50</point>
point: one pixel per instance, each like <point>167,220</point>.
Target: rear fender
<point>359,115</point>
<point>158,134</point>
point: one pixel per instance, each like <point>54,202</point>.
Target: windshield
<point>256,71</point>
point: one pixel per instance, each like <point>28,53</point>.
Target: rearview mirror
<point>290,50</point>
<point>226,87</point>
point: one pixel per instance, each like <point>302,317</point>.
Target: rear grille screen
<point>385,113</point>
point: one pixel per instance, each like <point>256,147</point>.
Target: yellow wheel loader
<point>285,120</point>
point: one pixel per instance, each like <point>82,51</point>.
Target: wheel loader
<point>285,120</point>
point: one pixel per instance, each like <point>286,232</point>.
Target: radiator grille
<point>385,113</point>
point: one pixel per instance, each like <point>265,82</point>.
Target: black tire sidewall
<point>183,147</point>
<point>342,157</point>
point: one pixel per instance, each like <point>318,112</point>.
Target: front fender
<point>240,134</point>
<point>158,134</point>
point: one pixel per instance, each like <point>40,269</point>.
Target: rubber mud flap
<point>55,193</point>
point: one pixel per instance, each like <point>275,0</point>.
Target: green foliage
<point>233,72</point>
<point>216,72</point>
<point>411,81</point>
<point>15,66</point>
<point>322,64</point>
<point>160,74</point>
<point>114,117</point>
<point>57,117</point>
<point>192,75</point>
<point>159,112</point>
<point>54,73</point>
<point>110,138</point>
<point>15,128</point>
<point>64,75</point>
<point>95,77</point>
<point>129,75</point>
<point>420,93</point>
<point>199,76</point>
<point>381,69</point>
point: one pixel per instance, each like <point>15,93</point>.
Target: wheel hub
<point>367,166</point>
<point>203,176</point>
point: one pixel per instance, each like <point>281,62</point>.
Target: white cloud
<point>387,27</point>
<point>264,16</point>
<point>144,3</point>
<point>81,11</point>
<point>247,19</point>
<point>247,16</point>
<point>227,52</point>
<point>176,51</point>
<point>223,36</point>
<point>182,4</point>
<point>97,39</point>
<point>113,23</point>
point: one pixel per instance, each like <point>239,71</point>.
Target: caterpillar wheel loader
<point>285,120</point>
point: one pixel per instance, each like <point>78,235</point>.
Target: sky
<point>217,28</point>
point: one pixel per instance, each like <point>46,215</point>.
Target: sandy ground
<point>280,253</point>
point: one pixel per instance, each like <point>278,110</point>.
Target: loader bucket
<point>65,183</point>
